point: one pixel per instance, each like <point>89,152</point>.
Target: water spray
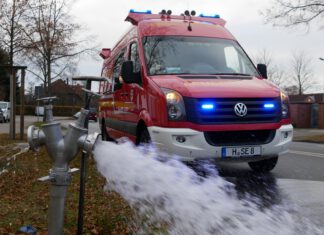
<point>62,150</point>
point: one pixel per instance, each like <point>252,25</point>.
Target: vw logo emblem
<point>240,109</point>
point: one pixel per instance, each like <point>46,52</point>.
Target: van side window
<point>116,70</point>
<point>133,56</point>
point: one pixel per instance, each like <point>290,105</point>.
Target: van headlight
<point>175,105</point>
<point>284,105</point>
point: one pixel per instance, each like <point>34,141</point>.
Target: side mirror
<point>262,68</point>
<point>127,73</point>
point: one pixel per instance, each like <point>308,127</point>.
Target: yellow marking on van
<point>106,104</point>
<point>109,104</point>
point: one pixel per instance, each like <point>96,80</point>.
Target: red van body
<point>186,85</point>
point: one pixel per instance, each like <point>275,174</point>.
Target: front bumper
<point>196,147</point>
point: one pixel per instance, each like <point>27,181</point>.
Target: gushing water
<point>170,194</point>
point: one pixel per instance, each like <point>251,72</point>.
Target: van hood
<point>218,86</point>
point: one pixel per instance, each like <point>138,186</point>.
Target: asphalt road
<point>298,179</point>
<point>304,161</point>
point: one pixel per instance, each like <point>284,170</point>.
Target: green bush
<point>57,110</point>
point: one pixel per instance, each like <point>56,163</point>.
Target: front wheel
<point>265,165</point>
<point>144,140</point>
<point>144,137</point>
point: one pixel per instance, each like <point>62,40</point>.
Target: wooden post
<point>13,73</point>
<point>22,103</point>
<point>12,131</point>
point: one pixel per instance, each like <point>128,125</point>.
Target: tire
<point>144,140</point>
<point>265,165</point>
<point>144,137</point>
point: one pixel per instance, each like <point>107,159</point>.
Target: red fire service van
<point>185,84</point>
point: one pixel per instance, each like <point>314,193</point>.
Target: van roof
<point>159,25</point>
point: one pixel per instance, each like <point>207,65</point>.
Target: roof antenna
<point>190,14</point>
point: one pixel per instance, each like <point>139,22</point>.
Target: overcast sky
<point>105,19</point>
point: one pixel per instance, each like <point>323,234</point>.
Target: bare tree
<point>53,46</point>
<point>275,73</point>
<point>301,71</point>
<point>294,12</point>
<point>11,19</point>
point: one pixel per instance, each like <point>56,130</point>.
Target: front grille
<point>224,110</point>
<point>236,138</point>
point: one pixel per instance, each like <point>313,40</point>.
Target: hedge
<point>57,110</point>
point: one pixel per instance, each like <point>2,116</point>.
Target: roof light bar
<point>208,16</point>
<point>140,12</point>
<point>134,17</point>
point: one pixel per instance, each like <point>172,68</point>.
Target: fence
<point>307,115</point>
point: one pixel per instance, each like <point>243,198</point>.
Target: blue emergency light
<point>140,12</point>
<point>208,106</point>
<point>209,16</point>
<point>269,105</point>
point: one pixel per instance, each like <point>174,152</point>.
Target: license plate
<point>241,151</point>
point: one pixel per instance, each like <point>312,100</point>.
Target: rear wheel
<point>265,165</point>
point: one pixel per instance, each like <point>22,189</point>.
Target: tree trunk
<point>49,77</point>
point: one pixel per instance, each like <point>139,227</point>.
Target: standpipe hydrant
<point>62,150</point>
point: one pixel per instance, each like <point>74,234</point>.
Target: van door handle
<point>123,93</point>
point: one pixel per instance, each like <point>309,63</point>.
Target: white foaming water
<point>172,195</point>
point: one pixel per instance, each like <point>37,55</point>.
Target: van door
<point>119,120</point>
<point>106,102</point>
<point>134,93</point>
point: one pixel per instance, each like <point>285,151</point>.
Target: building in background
<point>67,94</point>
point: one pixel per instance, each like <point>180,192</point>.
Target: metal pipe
<point>56,209</point>
<point>84,156</point>
<point>82,192</point>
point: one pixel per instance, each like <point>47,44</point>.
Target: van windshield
<point>3,105</point>
<point>195,55</point>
